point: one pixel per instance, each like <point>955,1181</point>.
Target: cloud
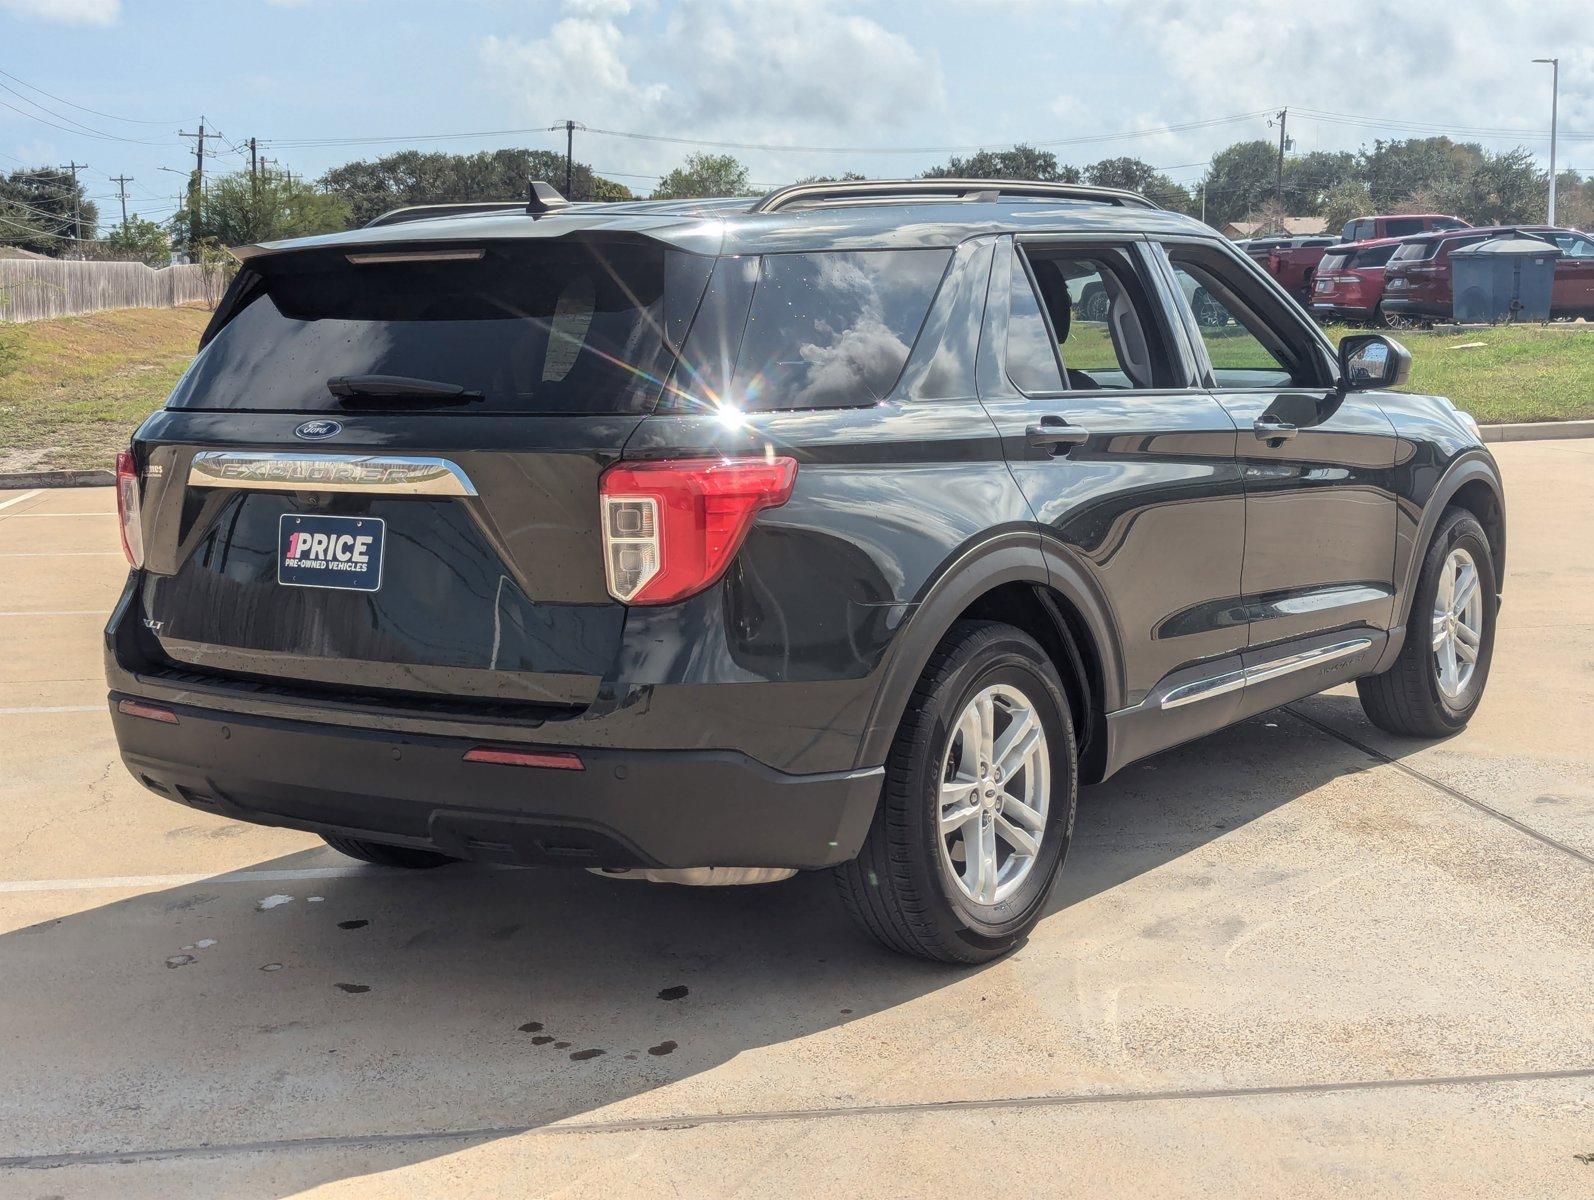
<point>67,12</point>
<point>734,70</point>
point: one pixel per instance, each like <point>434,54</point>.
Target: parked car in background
<point>1366,229</point>
<point>1417,282</point>
<point>1294,263</point>
<point>1349,284</point>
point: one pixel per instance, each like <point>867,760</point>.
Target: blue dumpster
<point>1508,279</point>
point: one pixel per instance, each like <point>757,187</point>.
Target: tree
<point>1016,162</point>
<point>137,240</point>
<point>704,175</point>
<point>1311,178</point>
<point>1347,201</point>
<point>45,211</point>
<point>238,210</point>
<point>1239,180</point>
<point>844,177</point>
<point>422,177</point>
<point>1133,175</point>
<point>1501,189</point>
<point>1394,171</point>
<point>1574,200</point>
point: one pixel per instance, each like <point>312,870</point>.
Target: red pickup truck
<point>1366,229</point>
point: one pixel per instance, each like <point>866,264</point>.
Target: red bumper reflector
<point>553,760</point>
<point>150,712</point>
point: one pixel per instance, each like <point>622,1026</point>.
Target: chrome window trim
<point>366,474</point>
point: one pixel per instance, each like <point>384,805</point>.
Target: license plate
<point>330,552</point>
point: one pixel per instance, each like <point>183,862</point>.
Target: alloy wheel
<point>1457,624</point>
<point>995,790</point>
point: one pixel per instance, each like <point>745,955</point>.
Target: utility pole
<point>570,159</point>
<point>1203,201</point>
<point>77,211</point>
<point>1555,97</point>
<point>121,182</point>
<point>254,165</point>
<point>198,188</point>
<point>1278,174</point>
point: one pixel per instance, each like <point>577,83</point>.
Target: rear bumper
<point>624,809</point>
<point>1412,306</point>
<point>1329,310</point>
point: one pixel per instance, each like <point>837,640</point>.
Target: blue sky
<point>858,77</point>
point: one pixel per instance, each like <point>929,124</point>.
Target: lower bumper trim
<point>626,809</point>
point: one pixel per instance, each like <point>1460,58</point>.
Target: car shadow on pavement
<point>488,1002</point>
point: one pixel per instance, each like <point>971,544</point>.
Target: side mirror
<point>1371,362</point>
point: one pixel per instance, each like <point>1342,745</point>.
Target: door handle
<point>1273,430</point>
<point>1057,433</point>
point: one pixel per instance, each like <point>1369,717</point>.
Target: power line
<point>33,87</point>
<point>285,143</point>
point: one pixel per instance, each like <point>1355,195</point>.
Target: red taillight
<point>671,528</point>
<point>555,760</point>
<point>150,712</point>
<point>127,508</point>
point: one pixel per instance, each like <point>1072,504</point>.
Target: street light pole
<point>1555,97</point>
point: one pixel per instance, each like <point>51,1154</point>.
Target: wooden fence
<point>34,289</point>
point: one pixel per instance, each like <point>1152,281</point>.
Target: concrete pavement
<point>1298,956</point>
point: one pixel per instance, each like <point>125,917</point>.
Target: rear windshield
<point>567,327</point>
<point>833,328</point>
<point>1402,226</point>
<point>1375,257</point>
<point>1331,262</point>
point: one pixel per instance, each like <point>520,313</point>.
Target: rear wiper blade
<point>399,387</point>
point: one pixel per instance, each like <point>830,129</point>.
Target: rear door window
<point>1081,320</point>
<point>526,328</point>
<point>833,328</point>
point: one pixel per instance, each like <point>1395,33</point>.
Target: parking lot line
<point>51,708</point>
<point>1437,785</point>
<point>21,498</point>
<point>60,553</point>
<point>38,516</point>
<point>60,612</point>
<point>773,1116</point>
<point>155,882</point>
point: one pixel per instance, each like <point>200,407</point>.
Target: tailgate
<point>491,590</point>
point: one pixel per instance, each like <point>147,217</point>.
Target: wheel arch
<point>1011,579</point>
<point>1472,483</point>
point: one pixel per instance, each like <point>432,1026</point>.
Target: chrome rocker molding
<point>368,474</point>
<point>1232,681</point>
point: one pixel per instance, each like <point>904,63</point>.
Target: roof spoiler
<point>899,191</point>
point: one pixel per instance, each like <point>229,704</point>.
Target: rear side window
<point>534,328</point>
<point>1414,251</point>
<point>1376,257</point>
<point>833,329</point>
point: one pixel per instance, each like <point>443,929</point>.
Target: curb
<point>1538,431</point>
<point>54,479</point>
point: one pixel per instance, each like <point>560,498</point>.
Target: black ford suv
<point>821,530</point>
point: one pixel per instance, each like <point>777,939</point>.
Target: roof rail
<point>888,191</point>
<point>425,212</point>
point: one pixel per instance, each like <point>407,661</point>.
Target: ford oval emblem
<point>314,431</point>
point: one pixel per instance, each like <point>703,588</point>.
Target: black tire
<point>384,855</point>
<point>1407,699</point>
<point>1381,318</point>
<point>899,889</point>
